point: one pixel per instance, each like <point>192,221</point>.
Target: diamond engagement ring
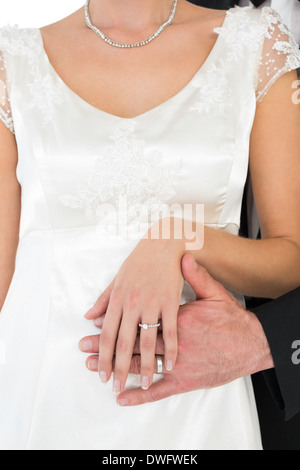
<point>146,326</point>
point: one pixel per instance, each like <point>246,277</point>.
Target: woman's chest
<point>128,83</point>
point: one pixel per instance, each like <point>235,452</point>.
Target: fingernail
<point>103,377</point>
<point>169,365</point>
<point>195,265</point>
<point>93,364</point>
<point>86,345</point>
<point>116,387</point>
<point>98,322</point>
<point>123,402</point>
<point>145,382</point>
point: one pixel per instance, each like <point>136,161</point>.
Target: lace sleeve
<point>5,108</point>
<point>280,52</point>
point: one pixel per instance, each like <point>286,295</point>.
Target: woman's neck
<point>131,14</point>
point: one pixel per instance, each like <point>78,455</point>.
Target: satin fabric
<point>73,158</point>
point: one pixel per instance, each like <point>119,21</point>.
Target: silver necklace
<point>136,44</point>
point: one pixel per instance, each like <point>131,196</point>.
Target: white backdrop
<point>36,13</point>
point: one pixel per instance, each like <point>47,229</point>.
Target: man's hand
<point>219,341</point>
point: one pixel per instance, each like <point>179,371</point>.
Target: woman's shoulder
<point>259,39</point>
<point>240,26</point>
<point>250,27</point>
<point>204,17</point>
<point>251,21</point>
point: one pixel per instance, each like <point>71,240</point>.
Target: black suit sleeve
<point>215,4</point>
<point>281,322</point>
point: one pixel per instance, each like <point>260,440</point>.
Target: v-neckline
<point>150,111</point>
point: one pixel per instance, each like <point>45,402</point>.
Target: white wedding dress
<point>76,163</point>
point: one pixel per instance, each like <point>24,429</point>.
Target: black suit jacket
<point>280,318</point>
<point>281,322</point>
<point>215,4</point>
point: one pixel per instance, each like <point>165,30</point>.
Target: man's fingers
<point>90,344</point>
<point>99,321</point>
<point>199,279</point>
<point>101,304</point>
<point>135,366</point>
<point>136,363</point>
<point>163,389</point>
<point>92,363</point>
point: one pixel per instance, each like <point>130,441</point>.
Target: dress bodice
<point>80,166</point>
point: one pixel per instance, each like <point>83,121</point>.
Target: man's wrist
<point>262,356</point>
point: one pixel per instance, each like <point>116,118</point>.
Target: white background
<point>36,13</point>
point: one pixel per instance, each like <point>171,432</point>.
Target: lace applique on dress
<point>5,107</point>
<point>214,90</point>
<point>269,37</point>
<point>241,29</point>
<point>16,41</point>
<point>13,42</point>
<point>280,52</point>
<point>44,93</point>
<point>126,179</point>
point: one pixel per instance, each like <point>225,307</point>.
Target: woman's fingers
<point>119,341</point>
<point>170,339</point>
<point>148,339</point>
<point>108,340</point>
<point>124,352</point>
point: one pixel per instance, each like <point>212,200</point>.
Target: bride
<point>105,123</point>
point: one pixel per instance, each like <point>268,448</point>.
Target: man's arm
<point>215,4</point>
<point>280,320</point>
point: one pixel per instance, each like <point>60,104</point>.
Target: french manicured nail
<point>116,386</point>
<point>123,401</point>
<point>86,345</point>
<point>103,377</point>
<point>169,365</point>
<point>93,364</point>
<point>145,382</point>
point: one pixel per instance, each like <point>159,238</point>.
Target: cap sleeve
<point>280,53</point>
<point>5,107</point>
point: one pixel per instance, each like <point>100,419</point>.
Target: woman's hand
<point>148,290</point>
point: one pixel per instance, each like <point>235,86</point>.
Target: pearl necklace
<point>137,44</point>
